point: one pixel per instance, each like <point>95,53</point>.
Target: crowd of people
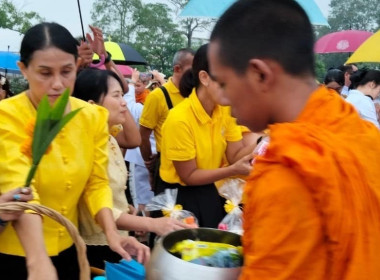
<point>361,88</point>
<point>311,198</point>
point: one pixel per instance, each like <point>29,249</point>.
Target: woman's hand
<point>19,194</point>
<point>163,226</point>
<point>132,210</point>
<point>135,75</point>
<point>128,246</point>
<point>86,53</point>
<point>243,166</point>
<point>97,43</point>
<point>158,77</point>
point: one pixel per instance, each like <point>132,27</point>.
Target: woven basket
<point>78,241</point>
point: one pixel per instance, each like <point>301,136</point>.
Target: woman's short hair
<point>45,35</point>
<point>334,75</point>
<point>92,84</point>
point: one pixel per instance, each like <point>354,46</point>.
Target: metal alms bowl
<point>163,265</point>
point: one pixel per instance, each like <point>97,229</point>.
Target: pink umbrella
<point>125,70</point>
<point>342,41</point>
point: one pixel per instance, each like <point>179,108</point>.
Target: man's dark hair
<point>346,68</point>
<point>266,29</point>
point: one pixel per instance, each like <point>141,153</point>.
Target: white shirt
<point>364,105</point>
<point>345,91</point>
<point>134,155</point>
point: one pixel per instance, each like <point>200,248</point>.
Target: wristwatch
<point>108,58</point>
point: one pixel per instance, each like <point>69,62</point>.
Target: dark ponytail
<point>190,78</point>
<point>364,76</point>
<point>187,83</point>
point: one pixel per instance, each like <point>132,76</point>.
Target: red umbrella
<point>125,70</point>
<point>342,41</point>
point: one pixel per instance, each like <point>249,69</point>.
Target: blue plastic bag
<point>125,270</point>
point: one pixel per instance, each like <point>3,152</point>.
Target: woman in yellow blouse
<point>19,194</point>
<point>104,88</point>
<point>197,135</point>
<point>76,165</point>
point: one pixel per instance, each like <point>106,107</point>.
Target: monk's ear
<point>260,73</point>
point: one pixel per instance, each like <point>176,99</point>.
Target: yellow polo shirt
<point>190,133</point>
<point>156,109</point>
<point>75,166</point>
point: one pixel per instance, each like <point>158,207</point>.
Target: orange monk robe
<point>140,98</point>
<point>313,200</point>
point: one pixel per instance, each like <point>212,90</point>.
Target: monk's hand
<point>127,246</point>
<point>243,166</point>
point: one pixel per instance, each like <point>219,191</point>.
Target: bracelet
<point>3,223</point>
<point>101,62</point>
<point>108,58</point>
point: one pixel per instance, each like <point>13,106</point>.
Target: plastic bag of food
<point>260,149</point>
<point>209,253</point>
<point>166,202</point>
<point>232,191</point>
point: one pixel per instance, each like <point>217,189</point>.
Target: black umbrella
<point>123,54</point>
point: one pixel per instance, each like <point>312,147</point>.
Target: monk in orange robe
<point>312,201</point>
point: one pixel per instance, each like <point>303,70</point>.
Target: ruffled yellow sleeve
<point>97,193</point>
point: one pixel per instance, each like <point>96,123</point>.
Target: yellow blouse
<point>190,133</point>
<point>156,109</point>
<point>76,166</point>
<point>117,173</point>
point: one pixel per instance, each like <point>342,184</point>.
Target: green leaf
<point>54,131</point>
<point>60,106</point>
<point>41,125</point>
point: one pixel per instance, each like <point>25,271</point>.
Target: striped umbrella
<point>123,54</point>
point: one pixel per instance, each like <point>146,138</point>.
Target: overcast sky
<point>65,12</point>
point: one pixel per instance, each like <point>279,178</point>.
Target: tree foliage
<point>354,14</point>
<point>157,37</point>
<point>148,28</point>
<point>14,19</point>
<point>116,18</point>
